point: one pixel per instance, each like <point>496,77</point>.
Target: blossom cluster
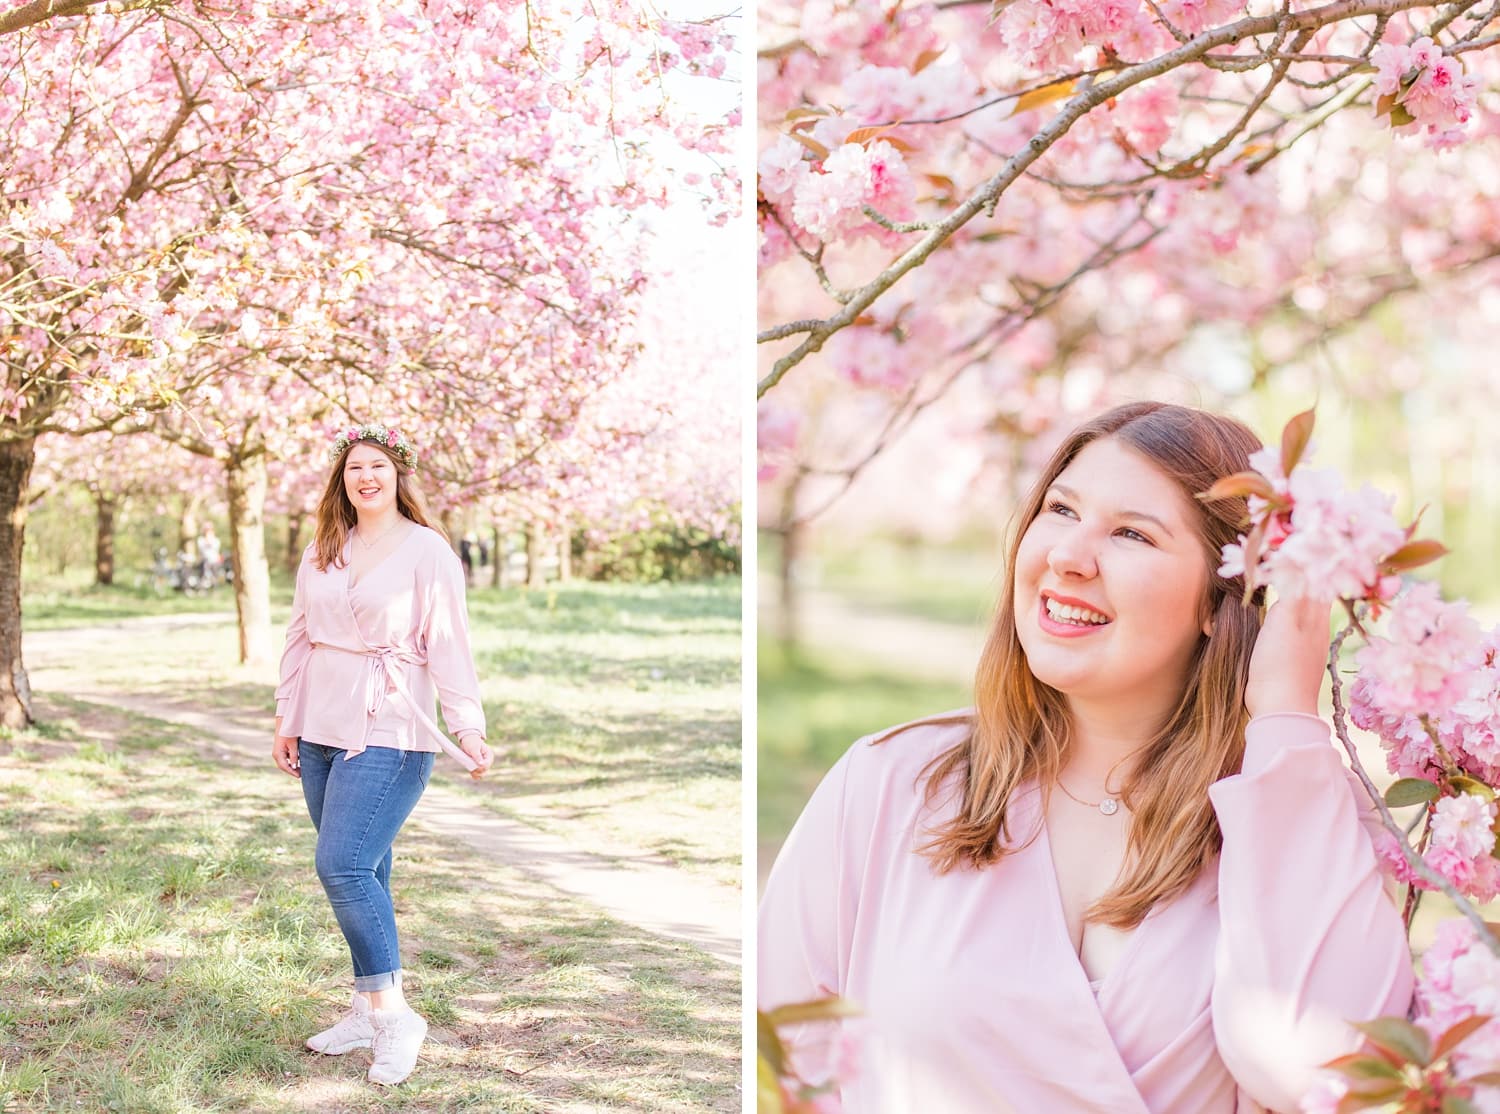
<point>1312,536</point>
<point>1422,89</point>
<point>1458,984</point>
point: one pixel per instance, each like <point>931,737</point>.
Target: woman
<point>1134,877</point>
<point>378,623</point>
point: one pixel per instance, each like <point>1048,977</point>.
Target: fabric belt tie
<point>386,674</point>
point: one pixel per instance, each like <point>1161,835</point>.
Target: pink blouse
<point>363,663</point>
<point>1224,1001</point>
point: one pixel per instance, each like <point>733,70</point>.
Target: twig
<point>1414,861</point>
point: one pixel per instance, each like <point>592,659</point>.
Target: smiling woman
<point>378,629</point>
<point>1160,935</point>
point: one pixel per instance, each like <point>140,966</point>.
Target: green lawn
<point>164,944</point>
<point>810,708</point>
<point>618,704</point>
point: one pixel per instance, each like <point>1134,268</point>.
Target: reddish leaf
<point>1399,1036</point>
<point>1253,542</point>
<point>1485,1079</point>
<point>1294,439</point>
<point>1383,104</point>
<point>1241,483</point>
<point>863,136</point>
<point>1046,94</point>
<point>1451,1039</point>
<point>1413,555</point>
<point>811,144</point>
<point>925,59</point>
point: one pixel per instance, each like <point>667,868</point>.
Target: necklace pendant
<point>1109,806</point>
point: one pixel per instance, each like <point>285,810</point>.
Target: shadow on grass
<point>167,947</point>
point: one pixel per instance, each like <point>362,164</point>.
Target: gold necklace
<point>1109,806</point>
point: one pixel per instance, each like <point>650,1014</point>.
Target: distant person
<point>466,555</point>
<point>378,627</point>
<point>484,554</point>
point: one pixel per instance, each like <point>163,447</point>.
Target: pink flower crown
<point>392,439</point>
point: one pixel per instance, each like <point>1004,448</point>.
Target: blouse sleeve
<point>298,646</point>
<point>450,662</point>
<point>806,922</point>
<point>1308,936</point>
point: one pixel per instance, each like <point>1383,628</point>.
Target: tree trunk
<point>536,535</point>
<point>104,538</point>
<point>246,481</point>
<point>294,546</point>
<point>187,524</point>
<point>446,518</point>
<point>15,474</point>
<point>565,554</point>
<point>497,557</point>
<point>790,533</point>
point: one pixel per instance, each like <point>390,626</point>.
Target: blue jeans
<point>357,807</point>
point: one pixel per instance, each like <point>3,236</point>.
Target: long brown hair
<point>1022,728</point>
<point>336,515</point>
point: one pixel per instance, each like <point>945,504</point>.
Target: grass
<point>164,946</point>
<point>619,704</point>
<point>811,707</point>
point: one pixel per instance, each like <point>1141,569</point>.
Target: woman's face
<point>1110,585</point>
<point>369,479</point>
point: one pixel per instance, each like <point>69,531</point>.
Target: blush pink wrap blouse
<point>364,663</point>
<point>1224,1001</point>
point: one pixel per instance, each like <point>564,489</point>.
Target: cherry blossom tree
<point>967,193</point>
<point>242,224</point>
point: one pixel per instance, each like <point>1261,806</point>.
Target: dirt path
<point>642,890</point>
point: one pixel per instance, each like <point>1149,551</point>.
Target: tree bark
<point>294,546</point>
<point>536,535</point>
<point>105,507</point>
<point>565,554</point>
<point>16,458</point>
<point>246,482</point>
<point>497,557</point>
<point>187,524</point>
<point>790,532</point>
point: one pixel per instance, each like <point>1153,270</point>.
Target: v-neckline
<point>351,583</point>
<point>1043,846</point>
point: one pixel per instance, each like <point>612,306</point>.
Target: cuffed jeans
<point>357,807</point>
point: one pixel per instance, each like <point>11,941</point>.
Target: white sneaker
<point>398,1035</point>
<point>352,1031</point>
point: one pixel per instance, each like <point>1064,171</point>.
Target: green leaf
<point>1411,791</point>
<point>767,1089</point>
<point>1453,1104</point>
<point>1401,116</point>
<point>1400,1037</point>
<point>1472,786</point>
<point>1294,439</point>
<point>1361,1099</point>
<point>1413,555</point>
<point>1457,1033</point>
<point>768,1043</point>
<point>1367,1067</point>
<point>824,1009</point>
<point>1241,483</point>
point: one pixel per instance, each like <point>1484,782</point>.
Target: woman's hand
<point>284,751</point>
<point>1291,654</point>
<point>473,744</point>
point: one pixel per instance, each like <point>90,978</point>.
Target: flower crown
<point>392,439</point>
